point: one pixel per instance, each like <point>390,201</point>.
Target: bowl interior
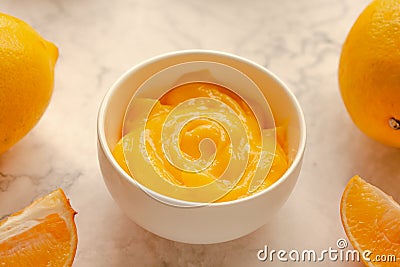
<point>283,104</point>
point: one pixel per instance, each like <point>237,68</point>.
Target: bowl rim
<point>101,136</point>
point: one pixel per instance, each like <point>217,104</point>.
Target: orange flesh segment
<point>43,234</point>
<point>371,220</point>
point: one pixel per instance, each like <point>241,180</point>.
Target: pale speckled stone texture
<point>300,41</point>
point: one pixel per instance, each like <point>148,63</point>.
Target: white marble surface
<point>98,40</point>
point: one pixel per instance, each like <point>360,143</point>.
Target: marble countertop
<point>300,41</point>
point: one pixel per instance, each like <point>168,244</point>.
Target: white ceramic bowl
<point>206,224</point>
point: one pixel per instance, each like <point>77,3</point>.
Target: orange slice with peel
<point>42,234</point>
<point>371,219</point>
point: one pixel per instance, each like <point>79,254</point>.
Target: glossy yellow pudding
<point>169,110</point>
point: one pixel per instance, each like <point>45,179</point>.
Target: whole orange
<point>369,72</point>
<point>26,78</point>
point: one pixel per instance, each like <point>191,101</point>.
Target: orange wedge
<point>371,220</point>
<point>42,234</point>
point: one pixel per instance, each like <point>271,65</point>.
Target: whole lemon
<point>26,78</point>
<point>369,72</point>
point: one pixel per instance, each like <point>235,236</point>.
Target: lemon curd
<point>208,140</point>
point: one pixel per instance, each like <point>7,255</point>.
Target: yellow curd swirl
<point>208,140</point>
